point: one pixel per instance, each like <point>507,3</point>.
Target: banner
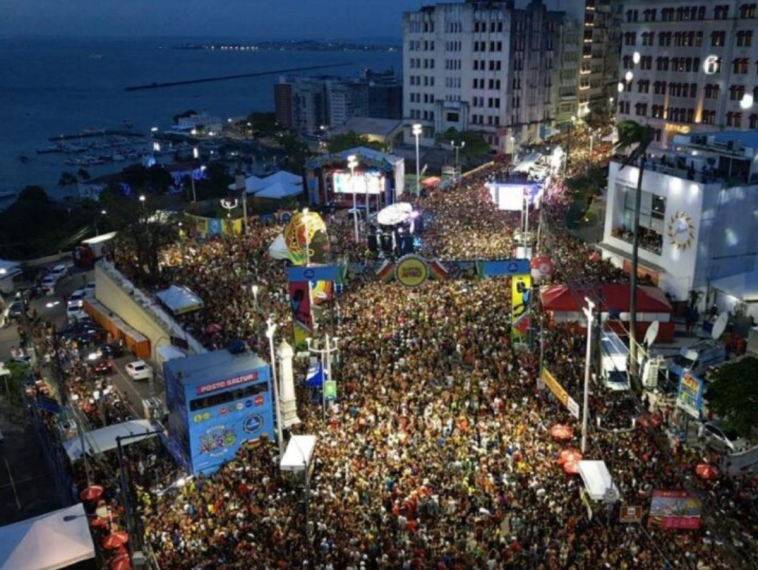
<point>300,299</point>
<point>520,297</point>
<point>560,393</point>
<point>674,509</point>
<point>690,395</point>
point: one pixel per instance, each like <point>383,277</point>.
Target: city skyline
<point>334,19</point>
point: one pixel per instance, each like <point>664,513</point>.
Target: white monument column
<point>287,386</point>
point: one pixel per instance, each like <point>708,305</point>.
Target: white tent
<point>48,542</point>
<point>597,480</point>
<point>104,439</point>
<point>280,191</point>
<point>285,178</point>
<point>180,300</point>
<point>253,184</point>
<point>299,453</point>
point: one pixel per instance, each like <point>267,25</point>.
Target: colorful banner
<point>674,509</point>
<point>520,297</point>
<point>560,392</point>
<point>690,395</point>
<point>300,299</point>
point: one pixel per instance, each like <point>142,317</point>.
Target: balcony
<point>650,240</point>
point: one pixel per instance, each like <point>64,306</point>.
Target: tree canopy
<point>733,395</point>
<point>474,143</point>
<point>351,139</point>
<point>634,139</point>
<point>264,125</point>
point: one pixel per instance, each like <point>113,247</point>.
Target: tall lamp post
<point>588,312</point>
<point>239,180</point>
<point>457,148</point>
<point>417,130</point>
<point>352,163</point>
<point>330,346</point>
<point>270,330</point>
<point>195,159</point>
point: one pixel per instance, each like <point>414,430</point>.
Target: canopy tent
<point>9,268</point>
<point>180,300</point>
<point>285,178</point>
<point>565,305</point>
<point>597,480</point>
<point>253,184</point>
<point>279,191</point>
<point>105,439</point>
<point>54,540</point>
<point>526,164</point>
<point>299,453</point>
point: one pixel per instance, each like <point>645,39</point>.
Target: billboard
<point>674,509</point>
<point>216,402</point>
<point>510,197</point>
<point>371,181</point>
<point>521,296</point>
<point>690,395</point>
<point>560,392</point>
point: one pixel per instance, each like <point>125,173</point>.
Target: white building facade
<point>483,66</point>
<point>688,65</point>
<point>699,213</point>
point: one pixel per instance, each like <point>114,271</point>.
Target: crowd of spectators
<point>438,453</point>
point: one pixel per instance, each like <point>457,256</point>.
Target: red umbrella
<point>214,328</point>
<point>98,522</point>
<point>114,540</point>
<point>91,493</point>
<point>121,562</point>
<point>569,456</point>
<point>571,467</point>
<point>707,471</point>
<point>561,432</point>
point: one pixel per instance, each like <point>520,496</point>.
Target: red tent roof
<point>613,297</point>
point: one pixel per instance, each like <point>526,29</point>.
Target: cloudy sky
<point>257,19</point>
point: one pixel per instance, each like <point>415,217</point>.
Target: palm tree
<point>634,139</point>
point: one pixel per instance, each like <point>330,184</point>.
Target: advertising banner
<point>521,295</point>
<point>674,509</point>
<point>560,393</point>
<point>690,395</point>
<point>300,300</point>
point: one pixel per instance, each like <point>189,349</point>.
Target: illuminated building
<point>699,214</point>
<point>692,64</point>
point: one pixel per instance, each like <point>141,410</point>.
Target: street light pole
<point>586,404</point>
<point>326,356</point>
<point>352,163</point>
<point>417,130</point>
<point>457,147</point>
<point>195,157</point>
<point>270,330</point>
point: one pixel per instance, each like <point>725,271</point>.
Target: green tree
<point>733,395</point>
<point>144,227</point>
<point>351,139</point>
<point>215,183</point>
<point>599,116</point>
<point>33,194</point>
<point>474,144</point>
<point>634,139</point>
<point>296,153</point>
<point>264,125</point>
<point>67,179</point>
<point>159,179</point>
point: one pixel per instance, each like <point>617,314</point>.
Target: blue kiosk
<point>216,401</point>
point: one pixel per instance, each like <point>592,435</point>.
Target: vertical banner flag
<point>521,296</point>
<point>300,300</point>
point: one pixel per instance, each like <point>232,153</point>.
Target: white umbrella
<point>395,214</point>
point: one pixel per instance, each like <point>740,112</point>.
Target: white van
<point>697,358</point>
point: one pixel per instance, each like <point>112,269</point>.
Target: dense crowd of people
<point>438,453</point>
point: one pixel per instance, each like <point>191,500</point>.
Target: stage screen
<point>370,181</point>
<point>510,197</point>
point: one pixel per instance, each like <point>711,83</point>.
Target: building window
<point>740,65</point>
<point>754,121</point>
<point>744,38</point>
<point>630,38</point>
<point>747,11</point>
<point>736,92</point>
<point>721,12</point>
<point>652,219</point>
<point>712,91</point>
<point>709,117</point>
<point>718,39</point>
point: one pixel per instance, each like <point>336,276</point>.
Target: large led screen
<point>366,181</point>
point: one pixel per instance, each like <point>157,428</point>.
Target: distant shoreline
<point>304,45</point>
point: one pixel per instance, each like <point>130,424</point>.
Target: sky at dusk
<point>255,19</point>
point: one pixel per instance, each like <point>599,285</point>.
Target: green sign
<point>330,389</point>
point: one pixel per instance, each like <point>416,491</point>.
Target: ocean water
<point>54,87</point>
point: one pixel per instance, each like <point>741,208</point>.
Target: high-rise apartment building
<point>601,41</point>
<point>485,66</point>
<point>309,105</point>
<point>689,65</point>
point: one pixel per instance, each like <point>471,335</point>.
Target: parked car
<point>59,271</point>
<point>103,366</point>
<point>89,289</point>
<point>13,312</point>
<point>77,298</point>
<point>720,439</point>
<point>113,349</point>
<point>84,332</point>
<point>139,370</point>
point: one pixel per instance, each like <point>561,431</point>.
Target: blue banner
<point>321,273</point>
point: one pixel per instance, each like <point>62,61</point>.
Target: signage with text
<point>560,393</point>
